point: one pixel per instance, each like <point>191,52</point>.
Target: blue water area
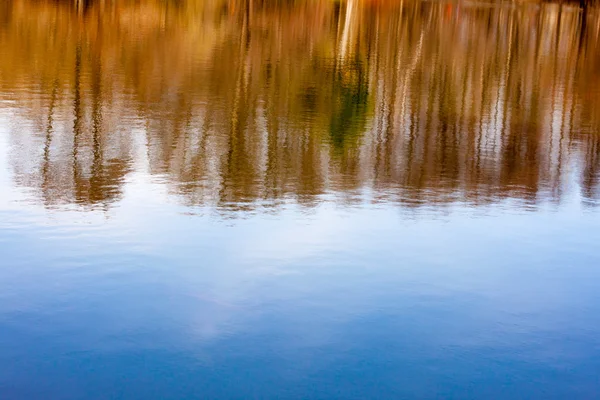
<point>154,303</point>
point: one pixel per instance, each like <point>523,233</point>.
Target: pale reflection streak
<point>249,102</point>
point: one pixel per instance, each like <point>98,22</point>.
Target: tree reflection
<point>246,102</point>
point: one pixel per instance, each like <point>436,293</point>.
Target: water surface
<point>292,200</point>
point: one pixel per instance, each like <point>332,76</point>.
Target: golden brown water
<point>233,102</point>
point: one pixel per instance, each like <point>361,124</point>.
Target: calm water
<point>298,200</point>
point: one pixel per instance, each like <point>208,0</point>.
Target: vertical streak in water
<point>235,156</point>
<point>380,92</point>
<point>48,139</point>
<point>480,113</point>
<point>513,139</point>
<point>77,122</point>
<point>553,111</point>
<point>97,165</point>
<point>464,135</point>
<point>346,30</point>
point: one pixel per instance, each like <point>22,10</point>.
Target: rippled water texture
<point>299,199</point>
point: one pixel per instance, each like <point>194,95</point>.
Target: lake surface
<point>299,200</point>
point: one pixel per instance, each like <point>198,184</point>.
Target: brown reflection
<point>236,101</point>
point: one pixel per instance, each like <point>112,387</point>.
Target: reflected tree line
<point>237,102</point>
